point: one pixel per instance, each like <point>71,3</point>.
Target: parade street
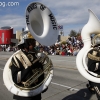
<point>67,82</point>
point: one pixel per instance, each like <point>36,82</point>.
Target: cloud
<point>74,15</point>
<point>15,21</point>
<point>69,13</point>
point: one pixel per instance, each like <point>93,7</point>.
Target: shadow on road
<point>83,94</point>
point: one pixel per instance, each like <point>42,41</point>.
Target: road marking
<point>70,88</point>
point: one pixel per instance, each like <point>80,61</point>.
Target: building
<point>64,38</point>
<point>6,34</point>
<point>8,38</point>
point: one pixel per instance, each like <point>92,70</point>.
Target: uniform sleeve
<point>93,62</point>
<point>20,74</point>
<point>92,65</point>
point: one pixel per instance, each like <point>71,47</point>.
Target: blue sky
<point>72,14</point>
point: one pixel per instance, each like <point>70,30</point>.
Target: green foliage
<point>72,33</point>
<point>78,34</point>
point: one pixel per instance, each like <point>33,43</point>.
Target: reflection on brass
<point>93,57</point>
<point>94,53</point>
<point>47,66</point>
<point>96,40</point>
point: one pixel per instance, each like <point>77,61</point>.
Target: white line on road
<point>70,88</point>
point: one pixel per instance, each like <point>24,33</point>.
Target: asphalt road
<point>67,82</point>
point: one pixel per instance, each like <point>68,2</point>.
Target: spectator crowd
<point>70,47</point>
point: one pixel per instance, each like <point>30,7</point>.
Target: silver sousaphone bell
<point>41,23</point>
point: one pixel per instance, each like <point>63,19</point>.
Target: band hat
<point>23,36</point>
<point>28,36</point>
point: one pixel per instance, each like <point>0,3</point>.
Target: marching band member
<point>94,66</point>
<point>19,69</point>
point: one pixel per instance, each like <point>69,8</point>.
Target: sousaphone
<point>92,27</point>
<point>43,26</point>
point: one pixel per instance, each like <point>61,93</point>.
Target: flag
<point>60,26</point>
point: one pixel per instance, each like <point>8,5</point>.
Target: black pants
<point>37,97</point>
<point>96,87</point>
